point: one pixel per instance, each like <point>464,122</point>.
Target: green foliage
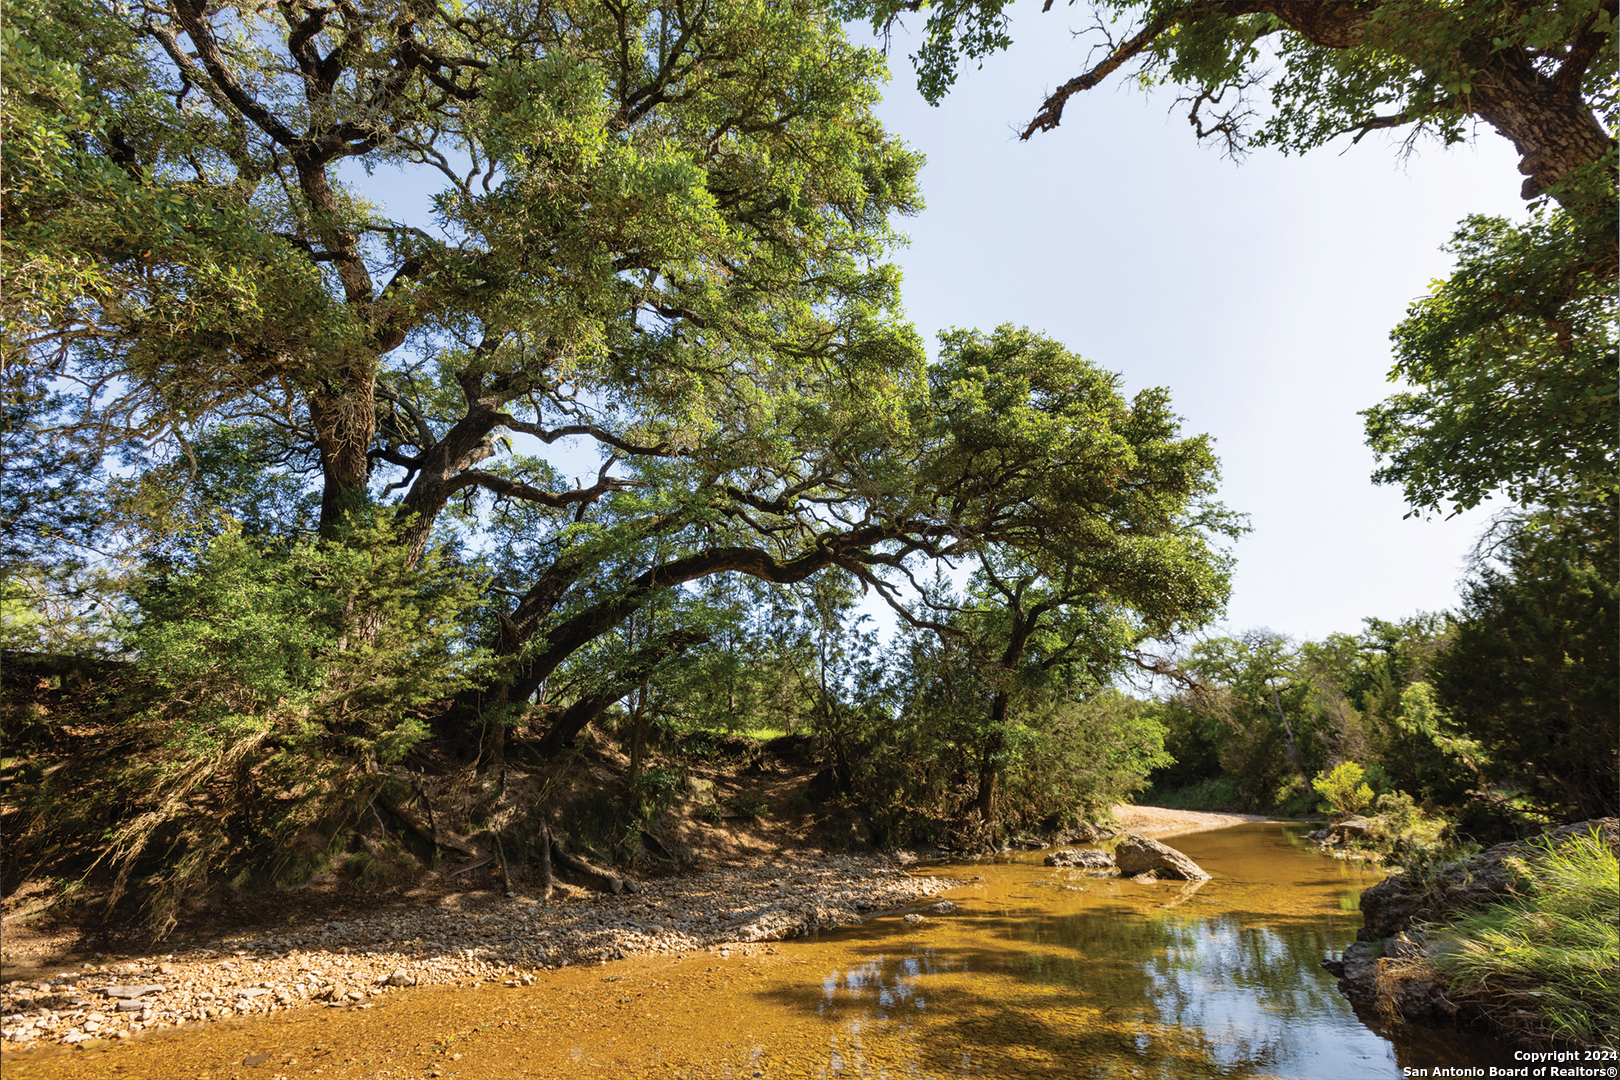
<point>1295,799</point>
<point>1397,813</point>
<point>747,808</point>
<point>1532,672</point>
<point>1378,779</point>
<point>1343,789</point>
<point>1512,359</point>
<point>1063,752</point>
<point>1409,736</point>
<point>1257,713</point>
<point>55,595</point>
<point>1075,760</point>
<point>164,242</point>
<point>1105,497</point>
<point>1432,758</point>
<point>1542,964</point>
<point>652,791</point>
<point>275,689</point>
<point>366,868</point>
<point>1269,713</point>
<point>1211,793</point>
<point>1104,519</point>
<point>325,646</point>
<point>755,675</point>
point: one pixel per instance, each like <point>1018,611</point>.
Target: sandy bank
<point>1158,821</point>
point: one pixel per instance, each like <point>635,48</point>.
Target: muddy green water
<point>1039,973</point>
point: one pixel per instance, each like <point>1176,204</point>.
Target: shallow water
<point>1039,973</point>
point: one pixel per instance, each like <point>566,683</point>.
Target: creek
<point>1039,972</point>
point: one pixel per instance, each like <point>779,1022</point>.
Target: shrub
<point>278,686</point>
<point>748,808</point>
<point>1343,788</point>
<point>1213,793</point>
<point>1295,800</point>
<point>652,792</point>
<point>1397,813</point>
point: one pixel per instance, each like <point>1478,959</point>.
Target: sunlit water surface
<point>1038,973</point>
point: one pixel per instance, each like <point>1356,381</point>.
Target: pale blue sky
<point>1262,294</point>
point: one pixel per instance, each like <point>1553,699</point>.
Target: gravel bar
<point>454,940</point>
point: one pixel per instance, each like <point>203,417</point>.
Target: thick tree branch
<point>192,18</point>
<point>549,435</point>
<point>512,489</point>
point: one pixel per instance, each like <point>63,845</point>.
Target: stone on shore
<point>1346,831</point>
<point>1399,902</point>
<point>132,992</point>
<point>1136,855</point>
<point>1085,833</point>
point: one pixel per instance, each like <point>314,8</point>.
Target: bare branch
<point>1228,123</point>
<point>551,435</point>
<point>1051,113</point>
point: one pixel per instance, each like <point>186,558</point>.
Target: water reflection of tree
<point>1255,991</point>
<point>1164,995</point>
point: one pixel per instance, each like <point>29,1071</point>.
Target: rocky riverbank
<point>464,939</point>
<point>1389,964</point>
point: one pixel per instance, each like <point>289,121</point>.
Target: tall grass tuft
<point>1546,964</point>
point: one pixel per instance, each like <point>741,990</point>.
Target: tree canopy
<point>738,194</point>
<point>1514,391</point>
<point>1537,73</point>
<point>1532,672</point>
<point>657,231</point>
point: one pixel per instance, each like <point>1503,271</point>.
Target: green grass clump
<point>1546,964</point>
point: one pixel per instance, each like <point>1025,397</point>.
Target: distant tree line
<point>1516,692</point>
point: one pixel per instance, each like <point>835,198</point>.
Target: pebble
<point>131,991</point>
<point>501,940</point>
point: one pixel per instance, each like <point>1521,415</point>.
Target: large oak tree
<point>656,230</point>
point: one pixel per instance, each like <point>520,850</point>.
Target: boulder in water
<point>1084,860</point>
<point>1138,855</point>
